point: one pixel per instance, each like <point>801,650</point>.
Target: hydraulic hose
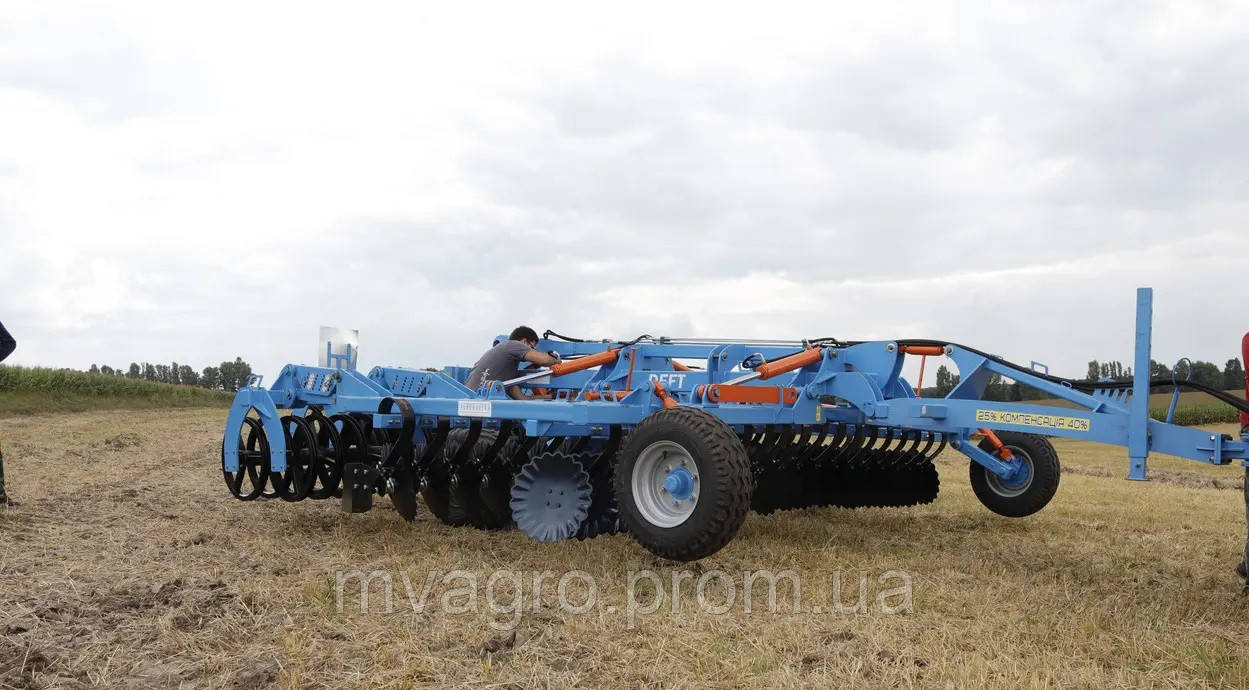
<point>1086,385</point>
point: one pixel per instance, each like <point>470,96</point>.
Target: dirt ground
<point>127,564</point>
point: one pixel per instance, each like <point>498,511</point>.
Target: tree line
<point>227,376</point>
<point>1231,377</point>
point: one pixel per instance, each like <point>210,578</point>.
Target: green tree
<point>94,369</point>
<point>995,389</point>
<point>1115,371</point>
<point>1095,369</point>
<point>946,381</point>
<point>234,374</point>
<point>1233,375</point>
<point>134,371</point>
<point>1207,374</point>
<point>187,376</point>
<point>211,378</point>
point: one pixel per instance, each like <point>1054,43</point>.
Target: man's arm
<point>542,359</point>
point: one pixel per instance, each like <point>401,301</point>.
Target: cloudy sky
<point>197,182</point>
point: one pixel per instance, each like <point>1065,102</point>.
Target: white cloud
<point>193,184</point>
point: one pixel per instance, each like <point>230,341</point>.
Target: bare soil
<point>127,564</point>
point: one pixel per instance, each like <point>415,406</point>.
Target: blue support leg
<point>1138,424</point>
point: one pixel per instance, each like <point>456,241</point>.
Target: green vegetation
<point>1196,415</point>
<point>1194,408</point>
<point>229,376</point>
<point>31,390</point>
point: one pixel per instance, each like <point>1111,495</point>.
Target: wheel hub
<point>680,483</point>
<point>1019,481</point>
<point>665,484</point>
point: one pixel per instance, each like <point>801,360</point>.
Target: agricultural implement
<point>674,440</point>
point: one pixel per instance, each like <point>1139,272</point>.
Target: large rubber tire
<point>449,505</point>
<point>444,507</point>
<point>724,489</point>
<point>1036,493</point>
<point>489,506</point>
<point>436,489</point>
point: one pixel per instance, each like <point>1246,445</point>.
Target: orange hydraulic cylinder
<point>586,362</point>
<point>780,366</point>
<point>618,395</point>
<point>930,350</point>
<point>1002,451</point>
<point>662,394</point>
<point>723,392</point>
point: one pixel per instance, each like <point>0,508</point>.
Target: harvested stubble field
<point>128,565</point>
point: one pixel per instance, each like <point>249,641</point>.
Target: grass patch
<point>1193,409</point>
<point>128,564</point>
<point>32,390</point>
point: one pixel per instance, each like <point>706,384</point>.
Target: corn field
<point>1197,415</point>
<point>33,389</point>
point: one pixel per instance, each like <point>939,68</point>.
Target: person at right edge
<point>1244,429</point>
<point>7,346</point>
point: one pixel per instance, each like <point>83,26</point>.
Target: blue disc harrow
<point>675,440</point>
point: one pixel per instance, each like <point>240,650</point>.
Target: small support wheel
<point>683,483</point>
<point>1032,489</point>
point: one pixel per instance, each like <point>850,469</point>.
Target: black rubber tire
<point>1045,475</point>
<point>444,503</point>
<point>439,501</point>
<point>489,504</point>
<point>724,491</point>
<point>604,516</point>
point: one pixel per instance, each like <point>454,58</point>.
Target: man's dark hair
<point>524,333</point>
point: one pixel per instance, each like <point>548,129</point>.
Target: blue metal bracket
<point>1175,393</point>
<point>1002,468</point>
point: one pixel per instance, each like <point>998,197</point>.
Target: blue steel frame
<point>864,378</point>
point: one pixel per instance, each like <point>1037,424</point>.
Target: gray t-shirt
<point>500,363</point>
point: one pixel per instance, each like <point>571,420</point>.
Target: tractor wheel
<point>683,483</point>
<point>1030,491</point>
